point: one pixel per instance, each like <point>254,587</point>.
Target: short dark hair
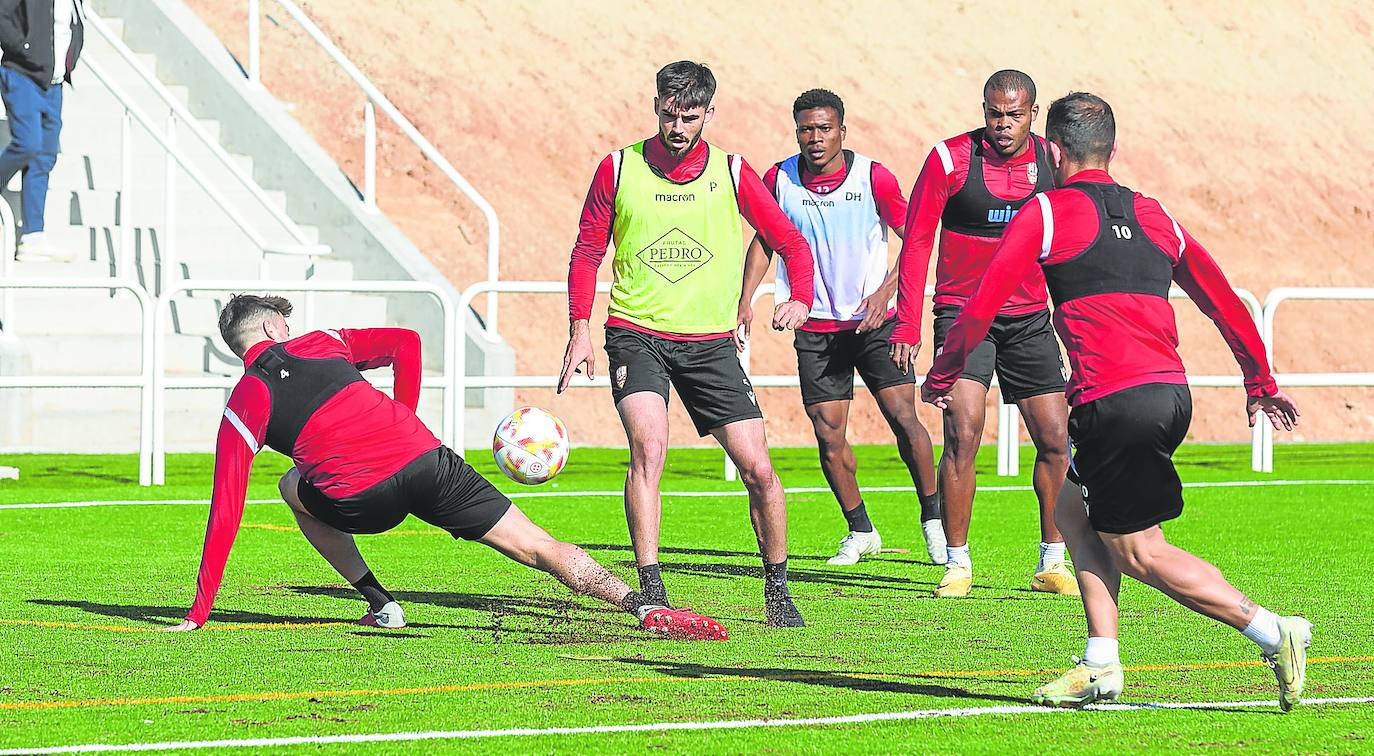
<point>818,98</point>
<point>1010,80</point>
<point>688,84</point>
<point>243,313</point>
<point>1083,126</point>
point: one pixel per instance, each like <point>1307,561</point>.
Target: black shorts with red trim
<point>706,374</point>
<point>1123,448</point>
<point>438,487</point>
<point>1021,349</point>
<point>827,361</point>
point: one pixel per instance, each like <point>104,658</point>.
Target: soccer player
<point>363,461</point>
<point>1109,256</point>
<point>972,185</point>
<point>843,203</point>
<point>672,203</point>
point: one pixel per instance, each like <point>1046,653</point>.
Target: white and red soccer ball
<point>530,446</point>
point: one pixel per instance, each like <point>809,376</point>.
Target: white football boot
<point>856,545</point>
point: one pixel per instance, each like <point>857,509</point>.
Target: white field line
<point>727,724</point>
<point>692,494</point>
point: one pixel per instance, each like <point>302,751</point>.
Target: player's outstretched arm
<point>398,347</point>
<point>241,431</point>
<point>579,357</point>
<point>1199,275</point>
<point>756,262</point>
<point>1280,408</point>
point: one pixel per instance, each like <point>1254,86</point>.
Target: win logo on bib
<point>675,255</point>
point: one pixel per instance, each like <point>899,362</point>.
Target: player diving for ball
<point>364,461</point>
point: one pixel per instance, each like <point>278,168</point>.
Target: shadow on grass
<point>823,678</point>
<point>526,619</point>
<point>161,615</point>
<point>818,577</point>
<point>694,552</point>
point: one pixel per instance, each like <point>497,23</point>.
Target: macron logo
<point>285,373</point>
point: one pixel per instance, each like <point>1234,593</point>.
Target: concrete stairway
<point>96,332</point>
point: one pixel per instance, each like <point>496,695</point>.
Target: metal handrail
<point>143,381</point>
<point>158,333</point>
<point>8,246</point>
<point>185,116</point>
<point>375,97</point>
<point>175,154</point>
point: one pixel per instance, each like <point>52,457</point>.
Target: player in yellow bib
<point>672,204</point>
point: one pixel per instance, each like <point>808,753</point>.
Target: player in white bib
<point>844,203</point>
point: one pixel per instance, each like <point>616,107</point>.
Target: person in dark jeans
<point>41,41</point>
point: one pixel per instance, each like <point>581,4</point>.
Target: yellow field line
<point>286,695</point>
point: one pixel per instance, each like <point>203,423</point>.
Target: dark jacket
<point>27,40</point>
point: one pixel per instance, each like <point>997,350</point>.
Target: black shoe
<point>779,611</point>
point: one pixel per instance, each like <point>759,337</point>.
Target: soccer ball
<point>530,446</point>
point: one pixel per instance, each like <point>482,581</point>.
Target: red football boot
<point>682,624</point>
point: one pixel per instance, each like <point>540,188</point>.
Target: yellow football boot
<point>1290,661</point>
<point>1082,685</point>
<point>957,581</point>
<point>1056,578</point>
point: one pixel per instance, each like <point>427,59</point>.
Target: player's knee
<point>287,487</point>
<point>648,455</point>
<point>962,440</point>
<point>757,475</point>
<point>831,444</point>
<point>1133,558</point>
<point>1053,446</point>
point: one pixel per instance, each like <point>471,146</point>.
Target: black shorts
<point>438,487</point>
<point>1123,448</point>
<point>707,375</point>
<point>826,363</point>
<point>1022,349</point>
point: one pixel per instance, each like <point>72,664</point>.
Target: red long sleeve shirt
<point>756,205</point>
<point>963,258</point>
<point>892,209</point>
<point>356,439</point>
<point>1114,341</point>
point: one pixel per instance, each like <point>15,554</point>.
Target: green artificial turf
<point>492,645</point>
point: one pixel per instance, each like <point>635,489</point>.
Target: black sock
<point>858,519</point>
<point>775,579</point>
<point>633,602</point>
<point>376,596</point>
<point>930,506</point>
<point>651,585</point>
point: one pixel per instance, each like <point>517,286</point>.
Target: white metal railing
<point>143,381</point>
<point>153,381</point>
<point>375,99</point>
<point>1271,305</point>
<point>175,157</point>
<point>8,245</point>
<point>180,116</point>
<point>159,382</point>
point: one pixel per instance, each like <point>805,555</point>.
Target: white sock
<point>1100,651</point>
<point>1050,553</point>
<point>958,555</point>
<point>1264,630</point>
